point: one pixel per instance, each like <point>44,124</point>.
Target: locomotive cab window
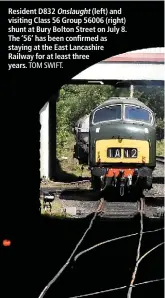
<point>136,113</point>
<point>107,113</point>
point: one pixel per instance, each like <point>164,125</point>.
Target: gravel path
<point>159,170</point>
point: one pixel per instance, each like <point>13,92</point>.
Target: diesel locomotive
<point>120,145</point>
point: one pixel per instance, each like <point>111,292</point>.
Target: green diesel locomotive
<point>121,145</point>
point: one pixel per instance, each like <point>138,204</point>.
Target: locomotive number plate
<point>114,152</point>
<point>127,152</point>
<point>130,152</point>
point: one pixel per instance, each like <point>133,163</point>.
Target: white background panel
<point>44,141</point>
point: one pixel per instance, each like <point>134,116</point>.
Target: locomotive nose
<point>120,130</point>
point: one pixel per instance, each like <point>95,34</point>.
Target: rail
<point>98,210</point>
<point>160,159</point>
<point>74,257</point>
<point>117,289</point>
<point>138,257</point>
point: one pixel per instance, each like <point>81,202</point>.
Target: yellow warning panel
<point>122,150</point>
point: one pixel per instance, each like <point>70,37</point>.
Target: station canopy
<point>145,66</point>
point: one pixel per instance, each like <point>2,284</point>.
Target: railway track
<point>160,159</point>
<point>74,256</point>
<point>148,206</point>
<point>79,197</point>
<point>84,202</point>
<point>97,211</point>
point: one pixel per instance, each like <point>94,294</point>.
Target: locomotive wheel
<point>96,183</point>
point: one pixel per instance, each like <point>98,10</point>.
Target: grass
<point>160,147</point>
<point>71,165</point>
<point>57,210</point>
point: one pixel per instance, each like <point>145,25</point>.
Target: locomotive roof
<point>121,100</point>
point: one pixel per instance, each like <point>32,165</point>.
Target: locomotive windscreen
<point>137,114</point>
<point>107,113</point>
